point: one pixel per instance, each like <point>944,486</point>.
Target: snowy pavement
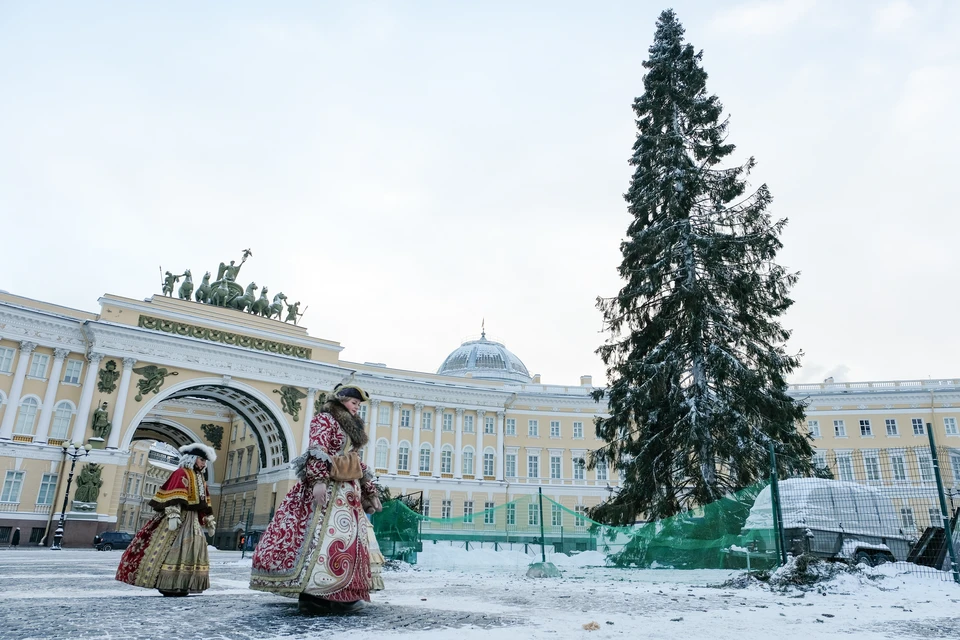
<point>479,594</point>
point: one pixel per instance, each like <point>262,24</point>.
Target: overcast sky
<point>407,169</point>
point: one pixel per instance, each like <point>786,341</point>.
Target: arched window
<point>383,448</point>
<point>62,416</point>
<point>403,456</point>
<point>467,461</point>
<point>488,458</point>
<point>27,417</point>
<point>425,457</point>
<point>446,459</point>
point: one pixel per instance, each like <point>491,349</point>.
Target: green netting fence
<point>709,537</point>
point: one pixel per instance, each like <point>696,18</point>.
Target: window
<point>380,460</point>
<point>554,428</point>
<point>578,430</point>
<point>5,534</point>
<point>533,465</point>
<point>249,462</point>
<point>891,427</point>
<point>601,469</point>
<point>383,414</point>
<point>405,418</point>
<point>468,424</point>
<point>71,372</point>
<point>426,421</point>
<point>363,412</point>
<point>511,514</point>
<point>866,431</point>
<point>425,457</point>
<point>820,460</point>
<point>403,457</point>
<point>578,468</point>
<point>510,462</point>
<point>6,359</point>
<point>533,428</point>
<point>556,467</point>
<point>898,466</point>
<point>580,522</point>
<point>872,465</point>
<point>47,486</point>
<point>839,429</point>
<point>556,515</point>
<point>488,512</point>
<point>533,515</point>
<point>36,534</point>
<point>466,467</point>
<point>845,467</point>
<point>925,463</point>
<point>61,420</point>
<point>446,460</point>
<point>446,508</point>
<point>906,518</point>
<point>488,463</point>
<point>425,508</point>
<point>38,366</point>
<point>511,427</point>
<point>229,471</point>
<point>12,484</point>
<point>955,467</point>
<point>936,520</point>
<point>233,434</point>
<point>489,426</point>
<point>813,426</point>
<point>917,424</point>
<point>448,422</point>
<point>27,416</point>
<point>950,426</point>
<point>468,511</point>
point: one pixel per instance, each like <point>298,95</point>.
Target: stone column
<point>394,439</point>
<point>50,397</point>
<point>415,454</point>
<point>86,397</point>
<point>372,445</point>
<point>437,434</point>
<point>458,447</point>
<point>13,398</point>
<point>117,426</point>
<point>500,452</point>
<point>478,456</point>
<point>307,419</point>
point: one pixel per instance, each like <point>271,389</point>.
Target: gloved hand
<point>210,525</point>
<point>173,518</point>
<point>320,495</point>
<point>371,504</point>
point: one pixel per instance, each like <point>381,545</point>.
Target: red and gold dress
<point>323,552</point>
<point>172,561</point>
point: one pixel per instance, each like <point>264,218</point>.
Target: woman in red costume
<point>316,547</point>
<point>170,552</point>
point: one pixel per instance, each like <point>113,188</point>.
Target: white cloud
<point>892,17</point>
<point>762,18</point>
<point>927,100</point>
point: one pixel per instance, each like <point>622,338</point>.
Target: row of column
<point>50,396</point>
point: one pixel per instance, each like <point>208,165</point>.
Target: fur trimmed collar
<point>352,425</point>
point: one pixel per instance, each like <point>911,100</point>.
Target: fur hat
<point>199,450</point>
<point>343,391</point>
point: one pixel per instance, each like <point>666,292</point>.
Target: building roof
<point>484,359</point>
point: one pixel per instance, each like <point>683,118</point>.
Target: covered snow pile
<point>833,505</point>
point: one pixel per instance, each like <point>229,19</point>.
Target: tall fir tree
<point>696,357</point>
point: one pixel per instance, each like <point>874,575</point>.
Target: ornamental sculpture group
<point>225,292</point>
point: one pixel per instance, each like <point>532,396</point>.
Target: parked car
<point>831,519</point>
<point>109,540</point>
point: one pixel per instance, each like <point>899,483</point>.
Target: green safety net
<point>709,537</point>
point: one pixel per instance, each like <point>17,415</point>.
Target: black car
<point>109,540</point>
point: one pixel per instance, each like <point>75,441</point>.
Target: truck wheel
<point>882,558</point>
<point>863,556</point>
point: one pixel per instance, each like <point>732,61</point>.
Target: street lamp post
<point>76,451</point>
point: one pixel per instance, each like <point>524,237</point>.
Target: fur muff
<point>352,425</point>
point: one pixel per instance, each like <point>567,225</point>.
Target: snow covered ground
<point>454,593</point>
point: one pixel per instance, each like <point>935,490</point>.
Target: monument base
<point>96,443</point>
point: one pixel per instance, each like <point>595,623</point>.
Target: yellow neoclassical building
<point>480,432</point>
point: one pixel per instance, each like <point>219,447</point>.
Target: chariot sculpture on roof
<point>226,292</point>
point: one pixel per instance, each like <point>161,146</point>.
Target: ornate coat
<point>321,551</point>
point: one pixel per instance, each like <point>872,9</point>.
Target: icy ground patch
<point>72,594</point>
